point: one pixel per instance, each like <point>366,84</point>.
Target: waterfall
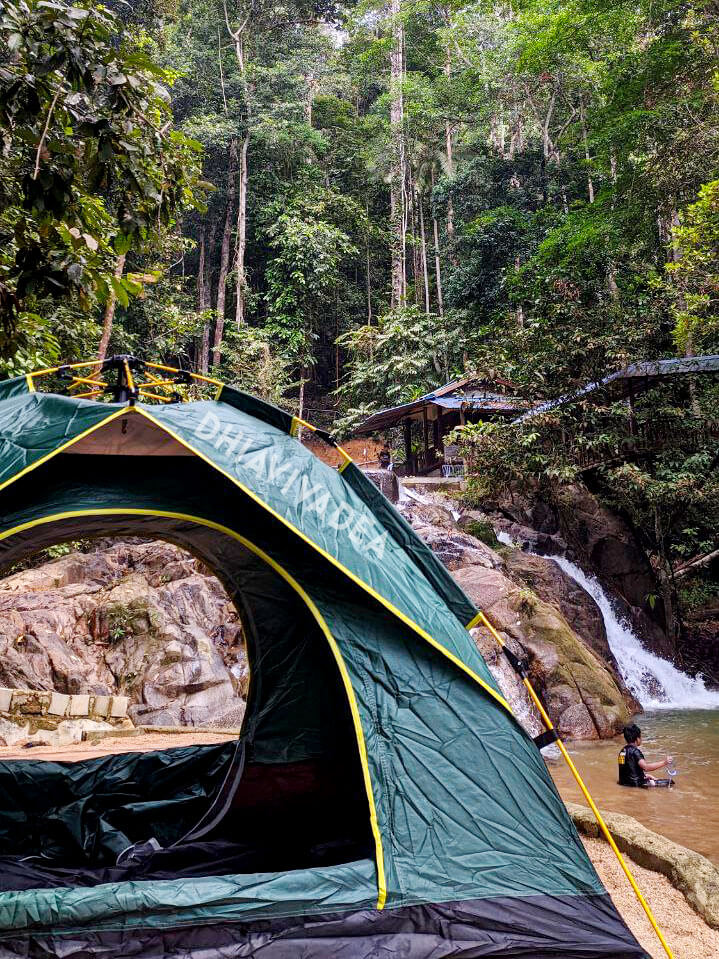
<point>654,681</point>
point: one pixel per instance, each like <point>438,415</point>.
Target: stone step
<point>59,706</point>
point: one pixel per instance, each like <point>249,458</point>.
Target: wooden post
<point>408,446</point>
<point>440,443</point>
<point>425,431</point>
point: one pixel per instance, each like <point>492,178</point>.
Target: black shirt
<point>630,772</point>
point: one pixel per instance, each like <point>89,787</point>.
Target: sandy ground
<point>121,744</point>
<point>687,934</point>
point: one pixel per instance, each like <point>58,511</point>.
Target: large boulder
<point>584,696</point>
<point>142,619</point>
<point>599,540</point>
<point>552,584</point>
<point>688,871</point>
<point>581,693</point>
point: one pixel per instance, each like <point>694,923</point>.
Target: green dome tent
<point>381,800</point>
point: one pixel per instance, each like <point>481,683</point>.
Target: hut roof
<point>474,392</point>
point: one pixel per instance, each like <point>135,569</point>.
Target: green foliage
<point>119,623</point>
<point>90,165</point>
<point>401,357</point>
<point>484,532</point>
<point>308,250</point>
<point>694,274</point>
<point>256,365</point>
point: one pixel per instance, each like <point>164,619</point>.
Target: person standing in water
<point>633,767</point>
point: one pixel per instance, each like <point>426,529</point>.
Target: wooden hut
<point>431,417</point>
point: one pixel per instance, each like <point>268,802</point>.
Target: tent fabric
<point>540,928</point>
<point>436,829</point>
<point>100,807</point>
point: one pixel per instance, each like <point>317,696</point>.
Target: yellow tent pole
<point>580,782</point>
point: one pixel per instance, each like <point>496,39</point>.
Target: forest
<point>340,206</point>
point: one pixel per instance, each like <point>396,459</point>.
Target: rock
<point>530,523</point>
<point>455,548</point>
<point>581,694</point>
<point>598,540</point>
<point>553,585</point>
<point>510,684</point>
<point>134,619</point>
<point>69,731</point>
<point>386,481</point>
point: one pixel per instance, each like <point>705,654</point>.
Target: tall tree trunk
<point>301,405</point>
<point>437,269</point>
<point>201,301</point>
<point>241,240</point>
<point>205,294</point>
<point>416,252</point>
<point>423,242</point>
<point>520,308</point>
<point>450,154</point>
<point>590,182</point>
<point>398,160</point>
<point>201,291</point>
<point>109,314</point>
<point>368,273</point>
<point>238,42</point>
<point>224,257</point>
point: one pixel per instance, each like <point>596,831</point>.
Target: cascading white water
<point>656,683</point>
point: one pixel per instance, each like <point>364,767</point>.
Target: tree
<point>91,167</point>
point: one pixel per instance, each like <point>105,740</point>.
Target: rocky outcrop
<point>584,696</point>
<point>600,541</point>
<point>553,585</point>
<point>433,522</point>
<point>603,542</point>
<point>140,619</point>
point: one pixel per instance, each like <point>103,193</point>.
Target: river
<point>688,813</point>
<point>681,717</point>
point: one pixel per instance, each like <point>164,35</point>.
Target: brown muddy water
<point>688,813</point>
